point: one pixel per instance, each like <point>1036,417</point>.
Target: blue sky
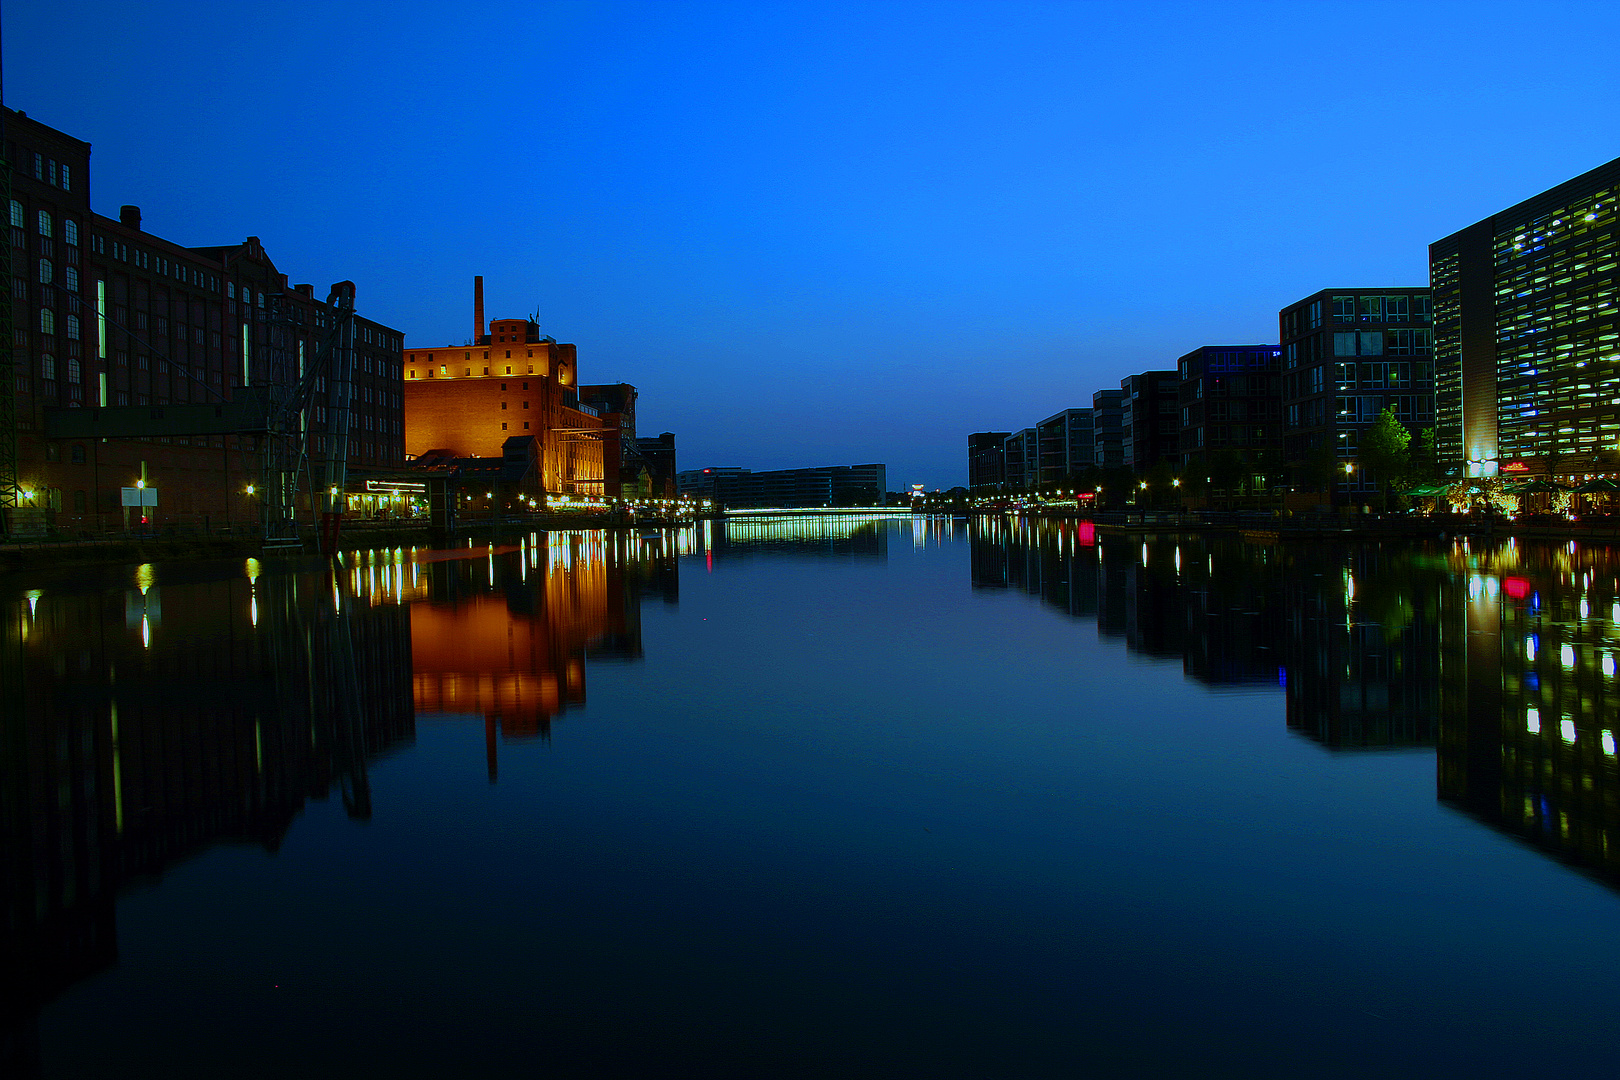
<point>830,232</point>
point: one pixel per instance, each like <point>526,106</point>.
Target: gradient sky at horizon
<point>832,232</point>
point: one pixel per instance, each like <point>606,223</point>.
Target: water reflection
<point>144,724</point>
<point>1503,656</point>
<point>1528,701</point>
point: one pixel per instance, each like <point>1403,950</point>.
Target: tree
<point>1384,451</point>
<point>1425,459</point>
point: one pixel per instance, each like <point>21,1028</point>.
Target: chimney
<point>130,216</point>
<point>478,308</point>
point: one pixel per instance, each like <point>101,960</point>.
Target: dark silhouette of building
<point>658,457</point>
<point>1231,403</point>
<point>1149,420</point>
<point>109,316</point>
<point>1108,428</point>
<point>987,461</point>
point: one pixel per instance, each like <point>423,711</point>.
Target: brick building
<point>107,315</point>
<point>511,381</point>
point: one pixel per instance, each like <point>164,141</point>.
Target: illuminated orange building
<point>508,382</point>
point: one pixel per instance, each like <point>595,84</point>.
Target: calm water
<point>815,799</point>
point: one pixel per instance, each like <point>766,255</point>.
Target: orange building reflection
<point>506,636</point>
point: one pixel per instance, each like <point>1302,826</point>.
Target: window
<point>1313,314</point>
<point>17,215</point>
<point>1344,344</point>
<point>1344,309</point>
<point>503,427</point>
<point>1372,309</point>
<point>503,405</point>
<point>45,272</point>
<point>525,425</point>
<point>67,184</point>
<point>39,166</point>
<point>230,294</point>
<point>73,327</point>
<point>1372,341</point>
<point>47,321</point>
<point>45,223</point>
<point>71,278</point>
<point>73,370</point>
<point>47,366</point>
<point>77,454</point>
<point>1396,309</point>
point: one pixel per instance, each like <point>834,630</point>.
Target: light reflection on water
<point>836,777</point>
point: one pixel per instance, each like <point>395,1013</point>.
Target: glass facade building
<point>1527,342</point>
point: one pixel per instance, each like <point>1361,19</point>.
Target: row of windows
<point>1381,309</point>
<point>44,223</point>
<point>52,172</point>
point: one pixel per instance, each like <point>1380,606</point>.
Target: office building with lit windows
<point>1347,355</point>
<point>1527,335</point>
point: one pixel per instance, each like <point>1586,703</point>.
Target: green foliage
<point>1383,449</point>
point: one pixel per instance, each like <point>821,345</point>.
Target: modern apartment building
<point>1231,400</point>
<point>1149,428</point>
<point>1107,429</point>
<point>1066,445</point>
<point>1527,334</point>
<point>1023,459</point>
<point>108,316</point>
<point>1347,355</point>
<point>987,461</point>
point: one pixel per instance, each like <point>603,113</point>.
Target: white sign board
<point>139,496</point>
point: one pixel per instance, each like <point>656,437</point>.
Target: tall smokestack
<point>478,307</point>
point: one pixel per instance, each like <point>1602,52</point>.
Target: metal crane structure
<point>295,383</point>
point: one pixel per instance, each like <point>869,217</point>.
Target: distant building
<point>826,486</point>
<point>658,456</point>
<point>466,401</point>
<point>1023,460</point>
<point>1525,325</point>
<point>615,405</point>
<point>1149,423</point>
<point>1347,355</point>
<point>1066,445</point>
<point>1108,428</point>
<point>1231,400</point>
<point>987,461</point>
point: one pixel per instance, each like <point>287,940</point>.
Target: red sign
<point>1516,587</point>
<point>1515,466</point>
